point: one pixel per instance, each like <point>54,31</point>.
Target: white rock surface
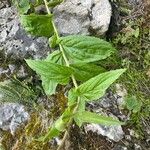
<point>72,17</point>
<point>114,133</point>
<point>12,116</point>
<point>79,17</point>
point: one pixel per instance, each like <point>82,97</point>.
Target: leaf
<point>96,86</point>
<point>8,94</point>
<point>51,71</point>
<point>55,57</point>
<point>22,5</point>
<point>63,120</point>
<point>84,49</point>
<point>53,132</point>
<point>133,104</point>
<point>74,99</point>
<point>52,41</point>
<point>49,86</point>
<point>54,3</point>
<point>13,90</point>
<point>60,124</point>
<point>39,25</point>
<point>89,117</point>
<point>84,72</point>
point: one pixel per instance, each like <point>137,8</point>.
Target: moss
<point>133,44</point>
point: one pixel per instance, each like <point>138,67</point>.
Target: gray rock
<point>81,17</point>
<point>114,133</point>
<point>12,116</point>
<point>71,17</point>
<point>137,147</point>
<point>107,106</point>
<point>15,41</point>
<point>101,14</point>
<point>119,147</point>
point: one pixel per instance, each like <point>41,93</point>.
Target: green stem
<point>72,77</point>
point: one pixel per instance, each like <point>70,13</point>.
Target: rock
<point>119,147</point>
<point>122,93</point>
<point>101,14</point>
<point>12,116</point>
<point>137,147</point>
<point>107,106</point>
<point>71,17</point>
<point>17,44</point>
<point>81,17</point>
<point>110,102</point>
<point>114,133</point>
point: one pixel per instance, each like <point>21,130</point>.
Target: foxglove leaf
<point>74,99</point>
<point>52,41</point>
<point>84,72</point>
<point>52,71</point>
<point>39,25</point>
<point>50,85</point>
<point>56,57</point>
<point>60,124</point>
<point>96,86</point>
<point>54,3</point>
<point>84,49</point>
<point>89,117</point>
<point>53,132</point>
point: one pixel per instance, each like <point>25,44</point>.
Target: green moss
<point>133,47</point>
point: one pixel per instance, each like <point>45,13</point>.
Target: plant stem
<point>72,77</point>
<point>60,46</point>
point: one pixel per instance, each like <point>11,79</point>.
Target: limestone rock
<point>114,133</point>
<point>15,42</point>
<point>71,17</point>
<point>83,17</point>
<point>12,116</point>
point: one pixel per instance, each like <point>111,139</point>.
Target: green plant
<point>15,91</point>
<point>74,58</point>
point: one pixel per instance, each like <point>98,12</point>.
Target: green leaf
<point>84,72</point>
<point>52,41</point>
<point>54,3</point>
<point>96,86</point>
<point>51,71</point>
<point>60,124</point>
<point>133,104</point>
<point>53,132</point>
<point>12,91</point>
<point>39,25</point>
<point>49,86</point>
<point>89,117</point>
<point>22,5</point>
<point>73,99</point>
<point>55,57</point>
<point>84,49</point>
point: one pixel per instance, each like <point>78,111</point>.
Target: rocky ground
<point>126,25</point>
